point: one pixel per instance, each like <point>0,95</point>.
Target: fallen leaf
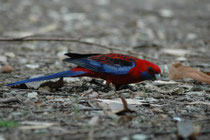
<point>53,85</point>
<point>42,85</point>
<point>207,73</point>
<point>21,86</point>
<point>179,72</point>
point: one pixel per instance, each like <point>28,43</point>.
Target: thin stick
<point>9,100</point>
<point>32,38</point>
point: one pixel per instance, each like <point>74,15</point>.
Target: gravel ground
<point>169,31</point>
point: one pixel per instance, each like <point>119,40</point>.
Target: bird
<point>115,68</point>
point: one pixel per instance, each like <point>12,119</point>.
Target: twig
<point>32,38</point>
<point>9,100</point>
<point>9,106</point>
<point>108,95</point>
<point>91,105</point>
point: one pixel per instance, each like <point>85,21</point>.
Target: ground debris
<point>161,31</point>
<point>9,100</point>
<point>186,129</point>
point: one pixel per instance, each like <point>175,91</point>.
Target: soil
<point>169,31</point>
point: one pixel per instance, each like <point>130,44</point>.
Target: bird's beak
<point>157,77</point>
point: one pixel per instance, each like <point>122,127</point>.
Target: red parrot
<point>117,69</point>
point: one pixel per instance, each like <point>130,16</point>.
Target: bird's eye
<point>151,69</point>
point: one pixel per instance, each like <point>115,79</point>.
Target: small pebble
<point>32,66</point>
<point>195,93</point>
<point>166,13</point>
<point>94,121</point>
<point>139,137</point>
<point>126,95</point>
<point>3,59</point>
<point>22,60</point>
<point>6,69</point>
<point>157,110</point>
<point>162,116</point>
<point>9,54</point>
<point>33,95</point>
<point>93,95</point>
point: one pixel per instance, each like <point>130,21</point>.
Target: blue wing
<point>105,64</point>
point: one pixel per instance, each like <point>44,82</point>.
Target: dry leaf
<point>48,85</point>
<point>53,85</point>
<point>179,72</point>
<point>207,73</point>
<point>21,86</point>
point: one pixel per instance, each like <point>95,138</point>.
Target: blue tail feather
<point>67,73</point>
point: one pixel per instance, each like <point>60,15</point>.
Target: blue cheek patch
<point>146,76</point>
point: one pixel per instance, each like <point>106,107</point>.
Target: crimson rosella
<point>117,69</point>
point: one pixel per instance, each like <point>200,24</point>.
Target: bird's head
<point>151,71</point>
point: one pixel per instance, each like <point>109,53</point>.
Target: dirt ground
<point>167,30</point>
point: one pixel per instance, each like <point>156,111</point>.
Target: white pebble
<point>167,13</point>
<point>9,54</point>
<point>33,95</point>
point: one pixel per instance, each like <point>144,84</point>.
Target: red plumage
<point>117,69</point>
<point>133,76</point>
